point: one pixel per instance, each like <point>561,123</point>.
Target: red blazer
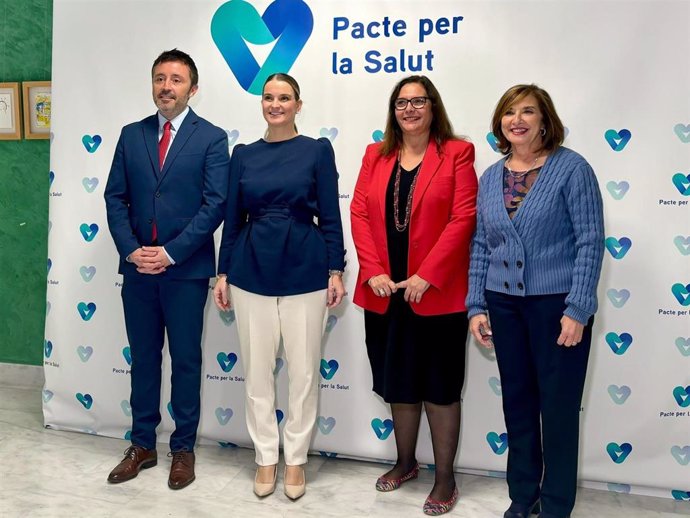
<point>442,222</point>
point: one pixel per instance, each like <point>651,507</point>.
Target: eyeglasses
<point>416,102</point>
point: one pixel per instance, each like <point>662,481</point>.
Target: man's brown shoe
<point>136,459</point>
<point>182,469</point>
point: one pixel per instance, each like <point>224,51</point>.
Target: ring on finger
<point>382,292</point>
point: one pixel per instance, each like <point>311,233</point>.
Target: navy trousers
<point>155,305</point>
<point>542,384</point>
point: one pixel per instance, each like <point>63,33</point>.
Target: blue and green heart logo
<point>223,415</point>
<point>683,345</point>
<point>682,293</point>
<point>279,415</point>
<point>88,232</point>
<point>224,444</point>
<point>89,184</point>
<point>85,399</point>
<point>619,395</point>
<point>49,264</point>
<point>226,361</point>
<point>683,132</point>
<point>233,135</point>
<point>618,247</point>
<point>617,190</point>
<point>228,317</point>
<point>86,310</point>
<point>329,133</point>
<point>331,321</point>
<point>170,410</point>
<point>497,442</point>
<point>618,297</point>
<point>493,142</point>
<point>495,385</point>
<point>328,368</point>
<point>682,396</point>
<point>84,352</point>
<point>619,343</point>
<point>91,143</point>
<point>679,494</point>
<point>382,428</point>
<point>87,272</point>
<point>328,454</point>
<point>618,452</point>
<point>126,408</point>
<point>617,139</point>
<point>127,354</point>
<point>47,348</point>
<point>288,23</point>
<point>682,455</point>
<point>279,365</point>
<point>682,244</point>
<point>377,136</point>
<point>47,395</point>
<point>682,183</point>
<point>128,435</point>
<point>51,178</point>
<point>325,424</point>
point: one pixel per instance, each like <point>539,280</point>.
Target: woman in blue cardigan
<point>534,268</point>
<point>284,269</point>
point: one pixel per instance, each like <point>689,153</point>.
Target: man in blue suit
<point>165,197</point>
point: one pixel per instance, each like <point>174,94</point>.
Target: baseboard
<point>17,375</point>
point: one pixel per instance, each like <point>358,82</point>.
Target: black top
<point>398,242</point>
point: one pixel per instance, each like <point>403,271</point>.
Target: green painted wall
<point>25,55</point>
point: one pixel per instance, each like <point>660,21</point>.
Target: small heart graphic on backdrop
<point>90,184</point>
<point>127,354</point>
<point>50,264</point>
<point>86,310</point>
<point>618,297</point>
<point>619,395</point>
<point>495,385</point>
<point>377,136</point>
<point>51,178</point>
<point>85,399</point>
<point>126,408</point>
<point>618,452</point>
<point>617,139</point>
<point>233,135</point>
<point>498,443</point>
<point>91,143</point>
<point>683,345</point>
<point>682,244</point>
<point>682,183</point>
<point>325,424</point>
<point>682,293</point>
<point>223,444</point>
<point>128,435</point>
<point>682,396</point>
<point>279,365</point>
<point>617,190</point>
<point>382,428</point>
<point>47,395</point>
<point>288,23</point>
<point>329,133</point>
<point>223,415</point>
<point>328,454</point>
<point>683,132</point>
<point>619,343</point>
<point>84,352</point>
<point>88,232</point>
<point>226,361</point>
<point>618,247</point>
<point>170,410</point>
<point>228,317</point>
<point>331,321</point>
<point>679,494</point>
<point>87,272</point>
<point>47,348</point>
<point>682,455</point>
<point>328,368</point>
<point>279,415</point>
<point>493,142</point>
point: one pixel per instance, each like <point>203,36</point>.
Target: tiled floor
<point>45,473</point>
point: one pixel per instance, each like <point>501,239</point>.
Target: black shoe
<point>522,511</point>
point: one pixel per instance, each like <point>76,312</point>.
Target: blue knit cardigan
<point>554,243</point>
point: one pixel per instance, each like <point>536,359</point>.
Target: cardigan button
<point>519,264</point>
<point>520,286</point>
<point>506,285</point>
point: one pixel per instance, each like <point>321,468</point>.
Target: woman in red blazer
<point>413,216</point>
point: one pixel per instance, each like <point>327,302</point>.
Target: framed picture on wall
<point>37,100</point>
<point>10,120</point>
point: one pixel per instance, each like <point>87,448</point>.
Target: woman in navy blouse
<point>535,264</point>
<point>282,256</point>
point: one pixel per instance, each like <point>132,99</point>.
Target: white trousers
<point>261,320</point>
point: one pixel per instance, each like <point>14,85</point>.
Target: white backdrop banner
<point>619,76</point>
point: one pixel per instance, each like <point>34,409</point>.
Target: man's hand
<point>150,260</point>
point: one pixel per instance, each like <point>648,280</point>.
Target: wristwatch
<point>338,273</point>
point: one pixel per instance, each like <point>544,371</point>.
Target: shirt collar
<point>175,123</point>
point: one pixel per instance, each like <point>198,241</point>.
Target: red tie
<point>163,145</point>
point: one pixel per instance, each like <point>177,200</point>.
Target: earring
<point>542,132</point>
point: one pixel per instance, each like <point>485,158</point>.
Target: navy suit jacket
<point>186,199</point>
